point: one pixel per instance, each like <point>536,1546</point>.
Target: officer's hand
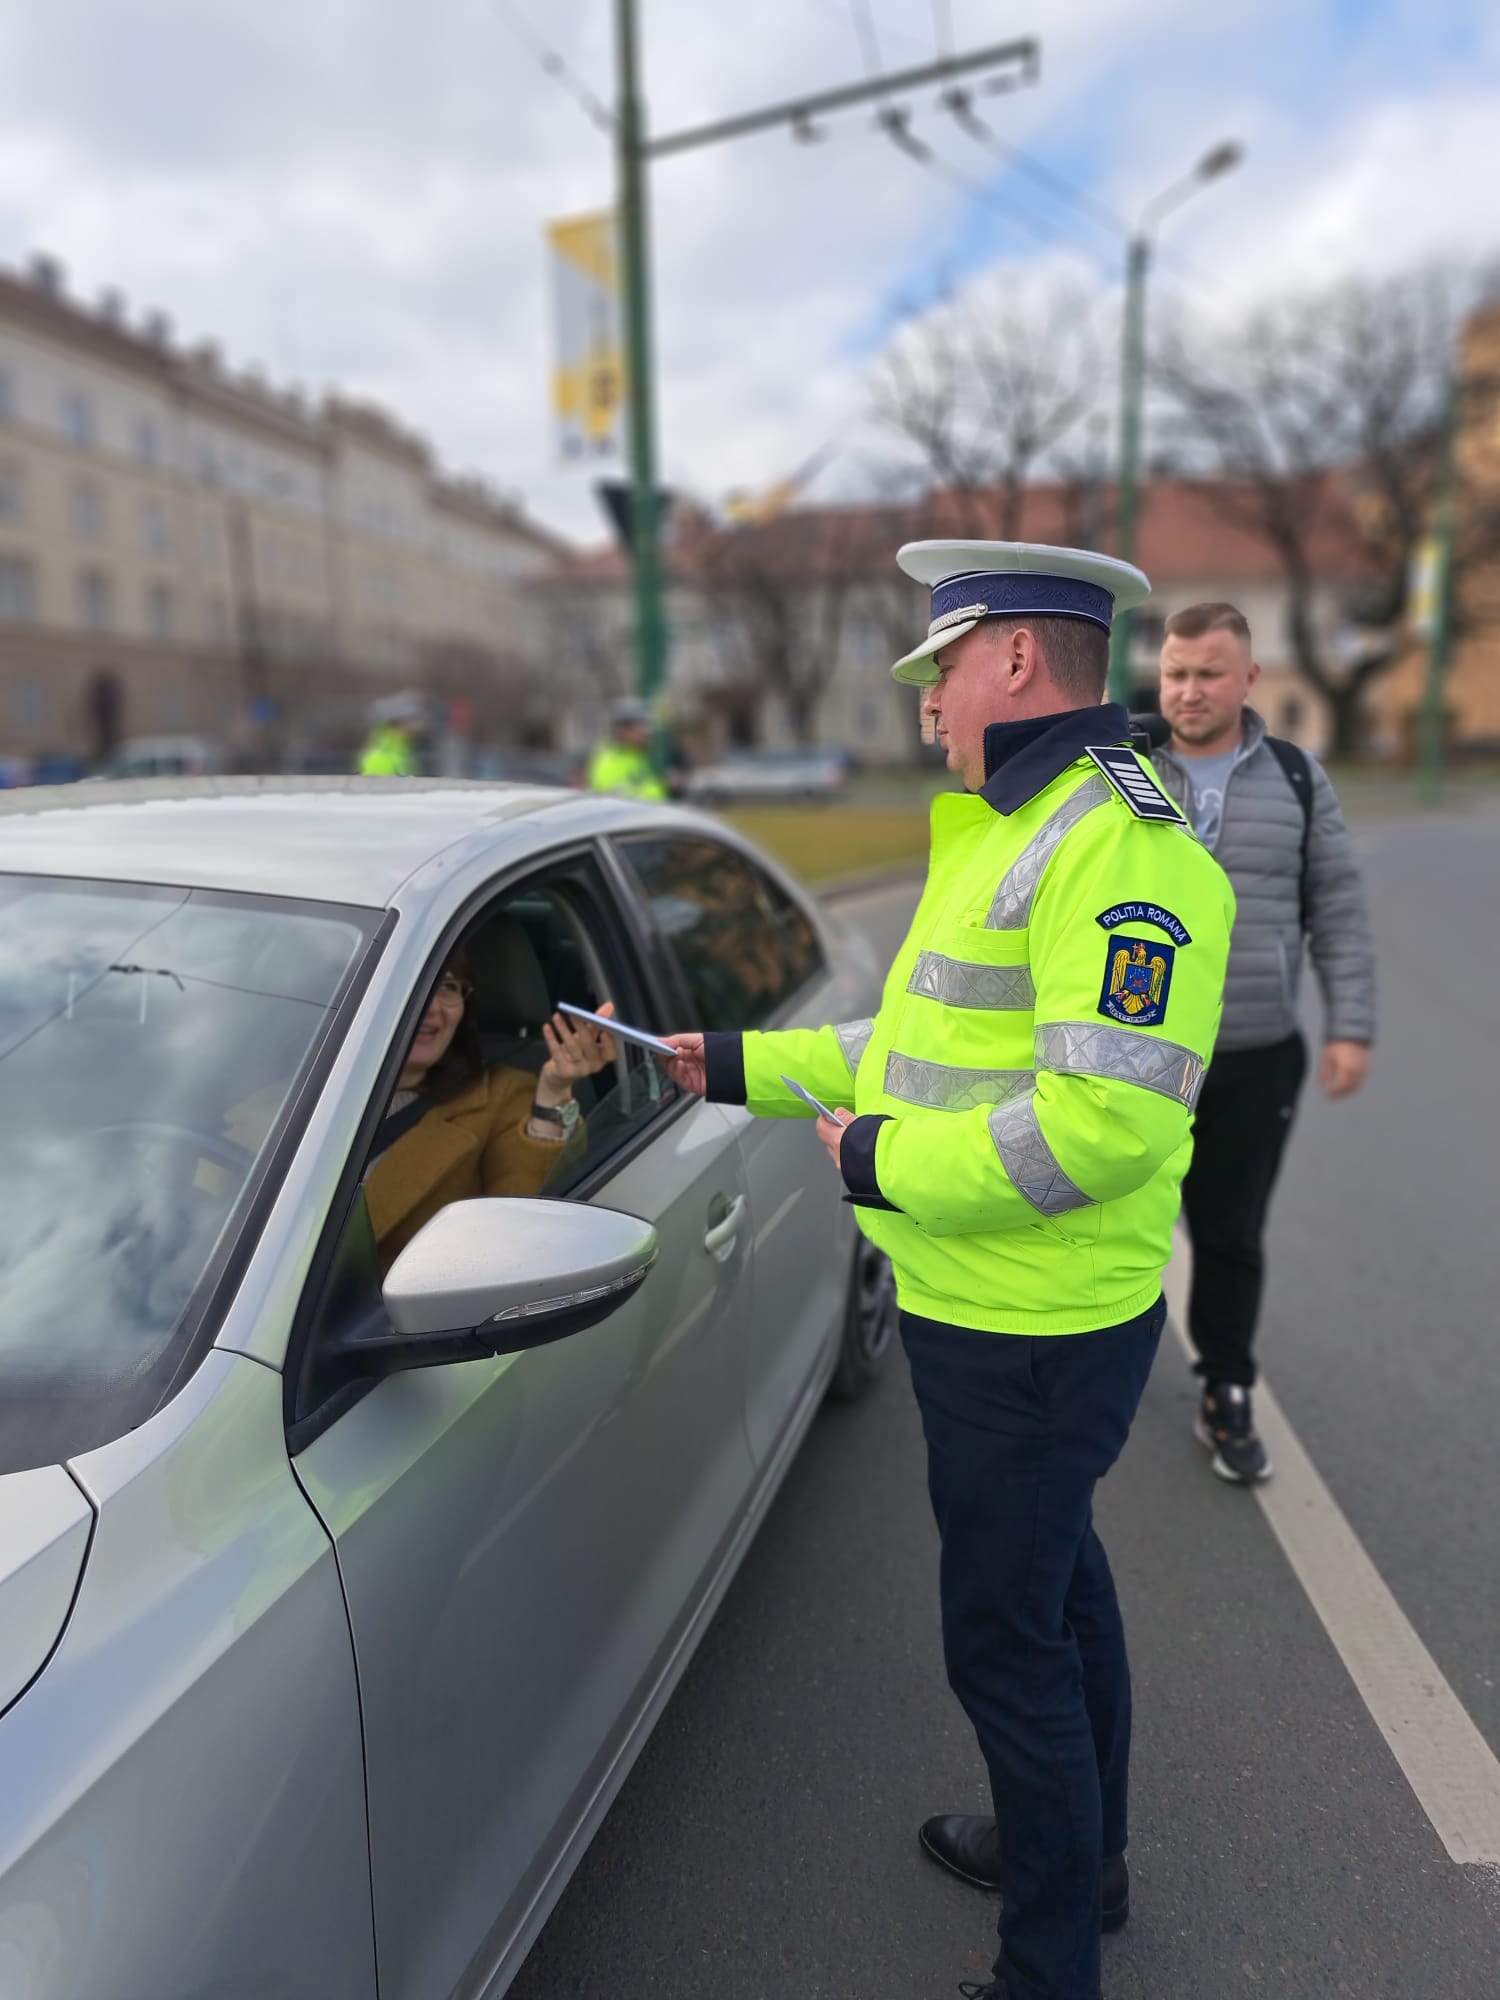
<point>687,1068</point>
<point>833,1135</point>
<point>1344,1068</point>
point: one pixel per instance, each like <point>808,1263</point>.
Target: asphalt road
<point>765,1844</point>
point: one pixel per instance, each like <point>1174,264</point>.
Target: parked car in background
<point>769,775</point>
<point>164,757</point>
<point>348,1557</point>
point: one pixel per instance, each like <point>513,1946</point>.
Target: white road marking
<point>1444,1758</point>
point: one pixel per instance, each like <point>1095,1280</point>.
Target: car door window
<point>743,948</point>
<point>460,1119</point>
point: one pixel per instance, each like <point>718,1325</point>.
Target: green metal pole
<point>1445,524</point>
<point>1132,383</point>
<point>650,622</point>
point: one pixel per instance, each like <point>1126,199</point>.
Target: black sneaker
<point>1225,1425</point>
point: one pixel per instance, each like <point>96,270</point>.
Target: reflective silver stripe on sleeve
<point>1086,1048</point>
<point>938,1087</point>
<point>958,983</point>
<point>1011,908</point>
<point>1030,1161</point>
<point>854,1039</point>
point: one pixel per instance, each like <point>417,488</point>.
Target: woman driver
<point>454,1130</point>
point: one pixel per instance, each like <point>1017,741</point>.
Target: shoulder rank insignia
<point>1137,980</point>
<point>1135,783</point>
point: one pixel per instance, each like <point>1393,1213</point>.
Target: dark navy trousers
<point>1019,1429</point>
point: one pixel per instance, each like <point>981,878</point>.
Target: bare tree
<point>984,388</point>
<point>780,590</point>
<point>1317,425</point>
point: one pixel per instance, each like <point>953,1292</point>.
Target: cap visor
<point>918,668</point>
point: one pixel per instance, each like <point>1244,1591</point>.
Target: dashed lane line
<point>1444,1758</point>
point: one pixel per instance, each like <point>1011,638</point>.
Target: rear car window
<point>743,947</point>
<point>151,1043</point>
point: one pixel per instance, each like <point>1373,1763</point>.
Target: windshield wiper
<point>148,972</point>
<point>151,972</point>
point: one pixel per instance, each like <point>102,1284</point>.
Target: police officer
<point>390,750</point>
<point>1021,1123</point>
<point>623,763</point>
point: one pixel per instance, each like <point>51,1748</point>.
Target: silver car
<point>356,1525</point>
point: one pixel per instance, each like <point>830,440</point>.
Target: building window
<point>218,622</point>
<point>154,527</point>
<point>88,511</point>
<point>17,591</point>
<point>1291,713</point>
<point>31,703</point>
<point>12,490</point>
<point>7,397</point>
<point>159,615</point>
<point>95,607</point>
<point>78,418</point>
<point>145,441</point>
<point>169,708</point>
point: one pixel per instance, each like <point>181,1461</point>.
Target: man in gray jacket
<point>1270,816</point>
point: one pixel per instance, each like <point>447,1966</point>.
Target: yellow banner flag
<point>1423,583</point>
<point>588,375</point>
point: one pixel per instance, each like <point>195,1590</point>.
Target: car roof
<point>331,839</point>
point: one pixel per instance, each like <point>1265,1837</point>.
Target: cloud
<point>355,193</point>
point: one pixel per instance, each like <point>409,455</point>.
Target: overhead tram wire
<point>864,28</point>
<point>556,66</point>
<point>959,103</point>
<point>895,122</point>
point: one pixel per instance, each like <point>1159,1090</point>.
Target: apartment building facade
<point>186,550</point>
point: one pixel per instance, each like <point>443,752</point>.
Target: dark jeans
<point>1244,1116</point>
<point>1019,1429</point>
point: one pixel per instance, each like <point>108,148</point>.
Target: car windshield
<point>151,1042</point>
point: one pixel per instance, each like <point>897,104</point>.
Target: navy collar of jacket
<point>1022,758</point>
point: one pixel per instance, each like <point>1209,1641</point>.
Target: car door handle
<point>722,1234</point>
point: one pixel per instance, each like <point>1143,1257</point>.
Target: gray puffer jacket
<point>1259,847</point>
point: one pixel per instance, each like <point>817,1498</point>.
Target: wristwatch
<point>565,1114</point>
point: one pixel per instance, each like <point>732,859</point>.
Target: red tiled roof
<point>1185,533</point>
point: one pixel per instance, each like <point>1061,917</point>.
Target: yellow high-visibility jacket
<point>1025,1093</point>
<point>388,754</point>
<point>620,768</point>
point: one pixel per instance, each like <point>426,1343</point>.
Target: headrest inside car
<point>512,986</point>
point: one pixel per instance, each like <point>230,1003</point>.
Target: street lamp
<point>1221,160</point>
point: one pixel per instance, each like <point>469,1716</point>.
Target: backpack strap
<point>1296,768</point>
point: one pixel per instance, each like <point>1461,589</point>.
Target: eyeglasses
<point>452,990</point>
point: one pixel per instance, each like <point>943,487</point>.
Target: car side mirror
<point>498,1276</point>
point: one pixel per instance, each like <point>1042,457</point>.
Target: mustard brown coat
<point>473,1143</point>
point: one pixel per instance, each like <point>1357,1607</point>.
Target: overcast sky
<point>353,192</point>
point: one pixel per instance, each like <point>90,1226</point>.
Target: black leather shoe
<point>966,1845</point>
